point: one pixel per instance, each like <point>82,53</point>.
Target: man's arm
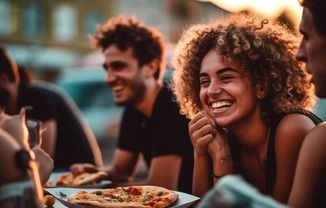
<point>123,167</point>
<point>164,171</point>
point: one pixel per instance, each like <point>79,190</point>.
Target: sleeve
<point>130,131</point>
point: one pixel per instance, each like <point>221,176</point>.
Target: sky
<point>270,8</point>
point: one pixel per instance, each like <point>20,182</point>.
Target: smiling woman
<point>238,80</point>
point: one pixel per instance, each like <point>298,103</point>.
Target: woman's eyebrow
<point>226,69</point>
<point>221,71</point>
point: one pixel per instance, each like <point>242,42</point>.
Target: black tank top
<point>271,158</point>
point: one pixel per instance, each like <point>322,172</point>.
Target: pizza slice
<point>132,197</point>
<point>70,179</point>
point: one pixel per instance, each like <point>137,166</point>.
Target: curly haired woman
<point>249,101</point>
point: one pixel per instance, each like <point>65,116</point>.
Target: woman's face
<point>226,91</point>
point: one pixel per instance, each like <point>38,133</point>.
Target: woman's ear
<point>261,91</point>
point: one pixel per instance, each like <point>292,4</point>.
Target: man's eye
<point>118,65</point>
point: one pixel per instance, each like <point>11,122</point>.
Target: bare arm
<point>49,137</point>
<point>288,140</point>
<point>210,147</point>
<point>45,163</point>
<point>122,169</point>
<point>309,177</point>
<point>201,134</point>
<point>164,171</point>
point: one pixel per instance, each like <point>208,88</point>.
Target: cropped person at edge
<point>67,138</point>
<point>238,80</point>
<point>309,186</point>
<point>152,125</point>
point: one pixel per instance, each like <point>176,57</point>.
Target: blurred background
<point>50,38</point>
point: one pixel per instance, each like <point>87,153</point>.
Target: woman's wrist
<point>222,166</point>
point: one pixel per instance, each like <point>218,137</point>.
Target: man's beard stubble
<point>138,92</point>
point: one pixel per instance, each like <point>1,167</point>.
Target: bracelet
<point>216,176</point>
<point>227,159</point>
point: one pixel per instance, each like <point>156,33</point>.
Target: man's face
<point>125,78</point>
<point>312,51</point>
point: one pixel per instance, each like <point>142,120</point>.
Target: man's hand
<point>83,167</point>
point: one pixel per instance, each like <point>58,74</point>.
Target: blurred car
<point>87,88</point>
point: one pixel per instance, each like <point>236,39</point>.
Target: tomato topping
<point>134,191</point>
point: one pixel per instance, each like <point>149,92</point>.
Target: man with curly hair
<point>238,80</point>
<point>309,186</point>
<point>152,125</point>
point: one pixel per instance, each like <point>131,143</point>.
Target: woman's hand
<point>202,131</point>
<point>220,153</point>
<point>219,148</point>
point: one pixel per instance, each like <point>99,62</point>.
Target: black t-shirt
<point>164,133</point>
<point>72,145</point>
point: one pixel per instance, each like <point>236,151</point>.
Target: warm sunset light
<point>268,8</point>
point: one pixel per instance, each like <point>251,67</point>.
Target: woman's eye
<point>204,82</point>
<point>226,78</point>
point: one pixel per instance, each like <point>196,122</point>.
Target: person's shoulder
<point>40,89</point>
<point>318,132</point>
<point>293,127</point>
<point>315,140</point>
<point>295,120</point>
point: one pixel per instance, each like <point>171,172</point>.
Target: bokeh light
<point>268,8</point>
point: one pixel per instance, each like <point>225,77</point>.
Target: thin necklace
<point>262,157</point>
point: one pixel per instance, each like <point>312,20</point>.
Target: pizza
<point>70,179</point>
<point>131,197</point>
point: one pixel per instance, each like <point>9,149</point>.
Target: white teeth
<point>116,88</point>
<point>221,104</point>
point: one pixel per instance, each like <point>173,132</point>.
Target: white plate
<point>62,194</point>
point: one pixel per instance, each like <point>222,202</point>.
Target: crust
<point>69,179</point>
<point>159,197</point>
<point>92,178</point>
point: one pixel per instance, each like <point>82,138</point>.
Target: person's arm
<point>9,172</point>
<point>45,163</point>
<point>212,153</point>
<point>123,167</point>
<point>310,173</point>
<point>49,136</point>
<point>164,172</point>
<point>202,178</point>
<point>121,170</point>
<point>288,140</point>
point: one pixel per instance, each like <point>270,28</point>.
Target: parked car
<point>87,88</point>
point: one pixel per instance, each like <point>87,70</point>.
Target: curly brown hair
<point>265,49</point>
<point>124,32</point>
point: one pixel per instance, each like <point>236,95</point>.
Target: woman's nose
<point>214,89</point>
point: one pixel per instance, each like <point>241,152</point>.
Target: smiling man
<point>152,126</point>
